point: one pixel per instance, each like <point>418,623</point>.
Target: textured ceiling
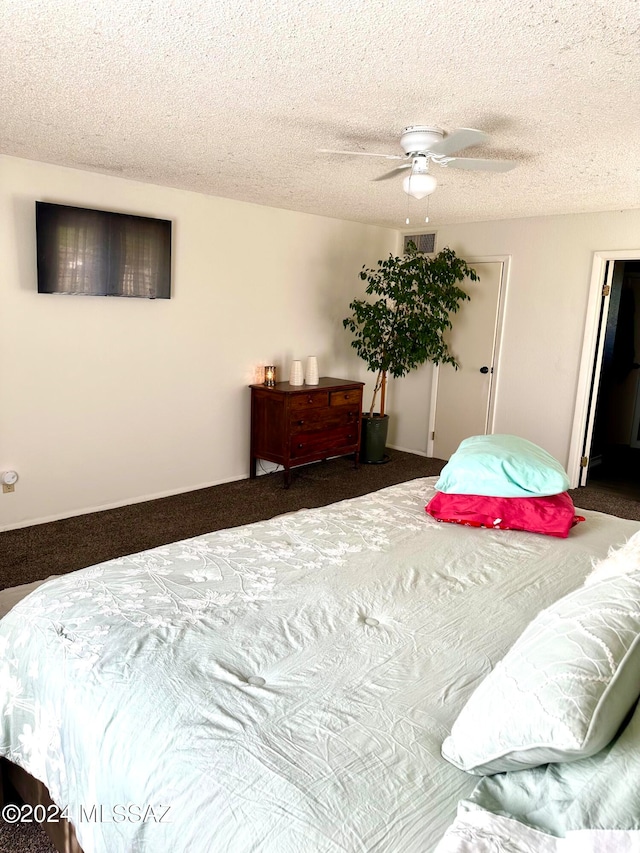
<point>235,98</point>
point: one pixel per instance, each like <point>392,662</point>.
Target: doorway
<point>614,455</point>
<point>606,433</point>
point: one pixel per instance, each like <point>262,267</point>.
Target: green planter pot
<point>374,438</point>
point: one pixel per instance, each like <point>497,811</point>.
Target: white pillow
<point>563,689</point>
<point>619,561</point>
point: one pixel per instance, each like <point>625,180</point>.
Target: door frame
<point>505,260</point>
<point>591,359</point>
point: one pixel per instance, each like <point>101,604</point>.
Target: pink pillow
<point>553,515</point>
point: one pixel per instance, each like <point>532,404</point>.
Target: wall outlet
<point>6,488</point>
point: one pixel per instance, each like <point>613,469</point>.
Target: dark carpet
<point>36,552</point>
<point>24,838</point>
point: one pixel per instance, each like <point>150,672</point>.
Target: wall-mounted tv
<point>99,253</point>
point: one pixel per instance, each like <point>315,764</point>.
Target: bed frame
<point>16,785</point>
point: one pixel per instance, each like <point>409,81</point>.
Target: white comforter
<point>283,686</point>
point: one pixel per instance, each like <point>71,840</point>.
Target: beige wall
<point>546,303</point>
<point>109,401</point>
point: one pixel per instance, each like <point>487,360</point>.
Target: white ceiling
<point>234,97</point>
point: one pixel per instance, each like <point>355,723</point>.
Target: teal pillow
<point>502,466</point>
<point>563,689</point>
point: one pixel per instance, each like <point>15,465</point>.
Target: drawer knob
<point>300,447</point>
<point>350,437</point>
<point>309,399</point>
<point>351,414</point>
<point>300,422</point>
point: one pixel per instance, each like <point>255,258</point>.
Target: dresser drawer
<point>312,400</point>
<point>315,419</point>
<point>333,441</point>
<point>345,398</point>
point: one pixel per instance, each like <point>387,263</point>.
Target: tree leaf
<point>403,328</point>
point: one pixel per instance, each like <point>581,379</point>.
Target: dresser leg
<point>356,459</point>
<point>252,468</point>
<point>287,477</point>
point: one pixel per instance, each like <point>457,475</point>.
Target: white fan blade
<point>362,154</point>
<point>393,172</point>
<point>459,139</point>
<point>477,164</point>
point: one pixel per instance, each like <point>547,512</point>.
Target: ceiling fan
<point>424,145</point>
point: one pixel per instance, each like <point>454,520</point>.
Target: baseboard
<point>117,504</point>
<point>165,494</point>
<point>409,450</point>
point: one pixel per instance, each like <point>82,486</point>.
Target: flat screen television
<point>99,253</point>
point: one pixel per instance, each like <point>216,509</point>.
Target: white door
<point>612,270</point>
<point>463,396</point>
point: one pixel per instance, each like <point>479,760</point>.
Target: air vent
<point>426,243</point>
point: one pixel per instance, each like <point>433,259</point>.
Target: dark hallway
<point>614,461</point>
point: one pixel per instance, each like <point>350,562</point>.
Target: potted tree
<point>403,327</point>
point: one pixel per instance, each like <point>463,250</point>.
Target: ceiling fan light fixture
<point>419,185</point>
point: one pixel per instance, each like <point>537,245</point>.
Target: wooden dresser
<point>295,424</point>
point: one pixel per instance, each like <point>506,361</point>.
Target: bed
<point>281,686</point>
